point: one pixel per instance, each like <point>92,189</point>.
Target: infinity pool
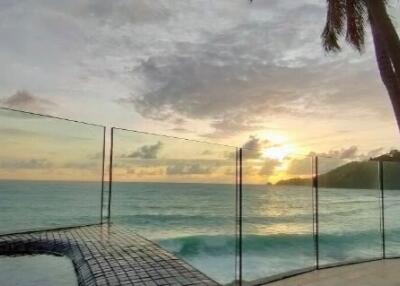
<point>38,270</point>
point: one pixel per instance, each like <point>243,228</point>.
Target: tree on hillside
<point>393,155</point>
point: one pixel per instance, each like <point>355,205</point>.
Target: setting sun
<point>278,152</point>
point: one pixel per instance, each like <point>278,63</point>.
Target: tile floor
<point>377,273</point>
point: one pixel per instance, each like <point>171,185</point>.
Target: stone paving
<point>108,256</point>
<point>376,273</point>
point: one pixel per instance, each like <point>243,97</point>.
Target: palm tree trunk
<point>387,32</point>
<point>386,69</point>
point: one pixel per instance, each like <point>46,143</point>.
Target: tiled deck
<point>108,256</point>
<point>377,273</point>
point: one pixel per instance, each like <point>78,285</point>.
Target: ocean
<point>197,221</point>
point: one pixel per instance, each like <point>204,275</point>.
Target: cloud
<point>25,100</point>
<point>206,152</point>
<point>25,164</point>
<point>180,130</point>
<point>252,149</point>
<point>146,152</point>
<point>329,160</point>
<point>268,167</point>
<point>375,152</point>
<point>301,166</point>
<point>145,171</point>
<point>232,65</point>
<point>95,156</point>
<point>82,165</point>
<point>119,13</point>
<point>274,67</point>
<point>189,169</point>
<point>229,125</point>
<point>343,153</point>
<point>17,132</point>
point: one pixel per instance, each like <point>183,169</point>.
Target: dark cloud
<point>25,164</point>
<point>253,148</point>
<point>231,124</point>
<point>25,100</point>
<point>255,143</point>
<point>180,130</point>
<point>239,81</point>
<point>146,152</point>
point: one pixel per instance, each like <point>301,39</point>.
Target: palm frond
<point>356,14</point>
<point>334,25</point>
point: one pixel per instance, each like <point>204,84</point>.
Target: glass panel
<point>277,215</point>
<point>391,184</point>
<point>179,193</point>
<point>50,172</point>
<point>349,211</point>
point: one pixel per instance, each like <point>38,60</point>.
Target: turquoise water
<point>26,205</point>
<point>197,221</point>
<point>38,270</point>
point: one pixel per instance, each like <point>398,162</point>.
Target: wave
<point>272,245</point>
<point>174,219</point>
<point>205,219</point>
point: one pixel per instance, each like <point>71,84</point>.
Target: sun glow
<point>278,152</point>
<point>276,138</point>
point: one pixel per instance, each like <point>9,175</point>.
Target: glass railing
<point>50,172</point>
<point>349,211</point>
<point>232,213</point>
<point>391,187</point>
<point>278,218</point>
<point>179,193</point>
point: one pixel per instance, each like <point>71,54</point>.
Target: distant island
<point>357,175</point>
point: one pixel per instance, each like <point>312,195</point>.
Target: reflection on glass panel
<point>349,211</point>
<point>50,172</point>
<point>181,194</point>
<point>277,215</point>
<point>391,184</point>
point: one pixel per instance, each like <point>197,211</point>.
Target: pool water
<point>38,270</point>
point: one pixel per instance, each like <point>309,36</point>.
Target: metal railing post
<point>381,186</point>
<point>102,177</point>
<point>237,217</point>
<point>110,175</point>
<point>240,216</point>
<point>316,187</point>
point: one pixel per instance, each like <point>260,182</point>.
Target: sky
<point>218,71</point>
